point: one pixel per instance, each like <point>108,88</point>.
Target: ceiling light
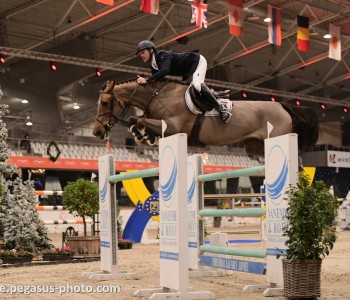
<point>297,103</point>
<point>98,72</point>
<point>323,106</point>
<point>345,109</point>
<point>24,101</point>
<point>29,123</point>
<point>273,99</point>
<point>2,59</point>
<point>53,66</point>
<point>76,106</point>
<point>327,36</point>
<point>267,20</point>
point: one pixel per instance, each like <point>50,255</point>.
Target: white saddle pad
<point>211,113</point>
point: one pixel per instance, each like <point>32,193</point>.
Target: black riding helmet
<point>145,45</point>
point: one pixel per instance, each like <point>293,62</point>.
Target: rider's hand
<point>141,80</point>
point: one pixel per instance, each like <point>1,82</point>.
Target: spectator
<point>25,143</point>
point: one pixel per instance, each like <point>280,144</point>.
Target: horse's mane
<point>163,80</point>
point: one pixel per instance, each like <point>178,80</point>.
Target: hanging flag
<point>107,2</point>
<point>199,13</point>
<point>150,6</point>
<point>334,42</point>
<point>275,25</point>
<point>235,17</point>
<point>303,33</point>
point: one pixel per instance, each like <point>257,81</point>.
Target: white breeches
<point>199,75</point>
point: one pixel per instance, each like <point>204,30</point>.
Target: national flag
<point>199,13</point>
<point>303,33</point>
<point>150,6</point>
<point>334,42</point>
<point>107,2</point>
<point>275,25</point>
<point>235,16</point>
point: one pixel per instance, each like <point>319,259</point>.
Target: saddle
<point>197,106</point>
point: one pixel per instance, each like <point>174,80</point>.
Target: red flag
<point>107,2</point>
<point>199,13</point>
<point>235,15</point>
<point>150,6</point>
<point>334,42</point>
<point>303,33</point>
<point>275,25</point>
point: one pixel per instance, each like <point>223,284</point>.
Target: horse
<point>165,101</point>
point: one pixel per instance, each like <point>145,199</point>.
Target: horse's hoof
<point>152,140</point>
<point>139,137</point>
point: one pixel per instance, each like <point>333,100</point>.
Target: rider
<point>184,64</point>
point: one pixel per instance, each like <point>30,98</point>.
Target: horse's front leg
<point>156,126</point>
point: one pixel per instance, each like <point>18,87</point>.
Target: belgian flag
<point>303,33</point>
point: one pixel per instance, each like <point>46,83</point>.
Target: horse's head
<point>109,111</point>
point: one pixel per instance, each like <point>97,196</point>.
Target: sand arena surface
<point>144,261</point>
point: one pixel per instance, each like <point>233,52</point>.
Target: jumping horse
<point>164,100</point>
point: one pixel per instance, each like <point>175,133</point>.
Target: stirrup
<point>225,115</point>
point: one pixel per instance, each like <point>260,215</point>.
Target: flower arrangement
<point>20,252</point>
<point>58,251</point>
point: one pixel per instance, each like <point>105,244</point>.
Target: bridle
<point>120,119</point>
<point>113,119</point>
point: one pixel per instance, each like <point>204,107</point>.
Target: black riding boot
<point>225,115</point>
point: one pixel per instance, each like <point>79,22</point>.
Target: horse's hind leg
<point>254,147</point>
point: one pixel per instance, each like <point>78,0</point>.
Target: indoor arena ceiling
<point>82,35</point>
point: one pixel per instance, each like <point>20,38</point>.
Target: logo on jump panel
<point>169,175</point>
<point>191,184</point>
<point>277,166</point>
<point>103,181</point>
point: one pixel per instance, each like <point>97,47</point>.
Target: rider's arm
<point>164,67</point>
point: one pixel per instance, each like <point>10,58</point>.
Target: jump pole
<point>281,170</point>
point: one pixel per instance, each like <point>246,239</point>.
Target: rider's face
<point>145,55</point>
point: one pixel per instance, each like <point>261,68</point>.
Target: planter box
<point>86,246</point>
<point>302,279</point>
<point>16,260</point>
<point>54,257</point>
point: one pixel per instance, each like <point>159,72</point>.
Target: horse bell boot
<point>207,94</point>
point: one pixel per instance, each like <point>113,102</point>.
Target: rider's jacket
<point>177,64</point>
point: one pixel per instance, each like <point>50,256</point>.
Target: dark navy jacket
<point>176,64</point>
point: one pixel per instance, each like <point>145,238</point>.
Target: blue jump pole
<point>232,174</point>
<point>133,175</point>
<point>233,251</point>
<point>242,212</point>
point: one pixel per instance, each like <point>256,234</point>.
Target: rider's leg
<point>199,85</point>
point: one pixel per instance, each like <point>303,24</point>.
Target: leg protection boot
<point>225,115</point>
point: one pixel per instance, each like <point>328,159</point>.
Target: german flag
<point>303,33</point>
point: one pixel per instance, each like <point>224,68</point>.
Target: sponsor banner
<point>338,159</point>
<point>34,162</point>
<point>281,170</point>
<point>173,212</point>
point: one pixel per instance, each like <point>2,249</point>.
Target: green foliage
<point>310,220</point>
<point>81,198</point>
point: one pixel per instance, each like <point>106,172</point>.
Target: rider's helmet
<point>145,45</point>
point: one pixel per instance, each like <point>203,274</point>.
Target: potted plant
<point>82,199</point>
<point>55,254</point>
<point>310,229</point>
<point>15,256</point>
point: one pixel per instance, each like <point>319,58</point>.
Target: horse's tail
<point>305,124</point>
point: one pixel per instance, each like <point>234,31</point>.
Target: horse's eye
<point>104,104</point>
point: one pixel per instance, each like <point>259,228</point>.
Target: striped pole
<point>48,193</point>
<point>48,207</point>
<point>57,222</point>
